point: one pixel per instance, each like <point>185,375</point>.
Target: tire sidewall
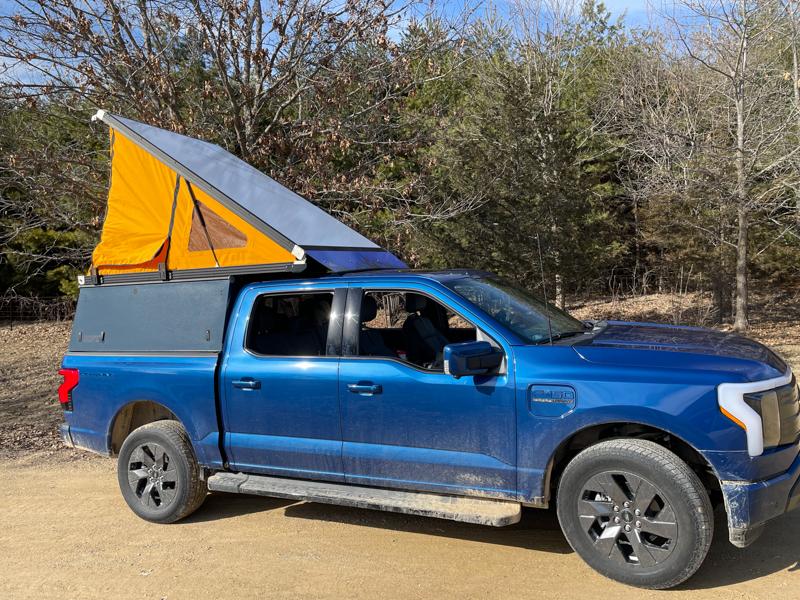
<point>686,514</point>
<point>158,515</point>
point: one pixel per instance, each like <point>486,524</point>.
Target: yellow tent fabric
<point>141,232</point>
<point>182,207</point>
<point>139,207</point>
<point>190,248</point>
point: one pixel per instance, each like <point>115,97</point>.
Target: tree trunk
<point>636,249</point>
<point>718,293</point>
<point>740,323</point>
<point>721,288</point>
<point>721,276</point>
<point>726,307</point>
<point>560,298</point>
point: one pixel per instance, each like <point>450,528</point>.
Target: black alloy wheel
<point>152,476</point>
<point>158,474</point>
<point>635,512</point>
<point>627,518</point>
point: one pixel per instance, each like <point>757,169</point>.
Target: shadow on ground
<point>777,550</point>
<point>226,506</point>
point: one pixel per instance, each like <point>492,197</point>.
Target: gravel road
<point>66,533</point>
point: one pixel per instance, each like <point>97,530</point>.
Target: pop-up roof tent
<point>183,208</point>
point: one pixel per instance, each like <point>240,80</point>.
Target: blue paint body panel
<point>291,425</point>
<point>425,430</point>
<point>108,383</point>
<point>428,429</point>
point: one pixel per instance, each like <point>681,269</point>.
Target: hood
<point>670,346</point>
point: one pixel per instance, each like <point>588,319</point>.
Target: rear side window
<point>290,324</point>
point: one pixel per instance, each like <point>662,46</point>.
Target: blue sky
<point>635,12</point>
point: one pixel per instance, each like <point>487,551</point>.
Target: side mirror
<point>471,358</point>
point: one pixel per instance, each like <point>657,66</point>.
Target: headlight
<point>768,411</point>
<point>766,405</point>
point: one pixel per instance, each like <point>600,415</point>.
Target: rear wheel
<point>636,513</point>
<point>158,473</point>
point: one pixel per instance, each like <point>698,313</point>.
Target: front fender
<point>537,460</point>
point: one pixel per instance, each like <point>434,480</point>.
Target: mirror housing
<point>471,358</point>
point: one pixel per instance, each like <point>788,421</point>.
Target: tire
<point>158,473</point>
<point>599,495</point>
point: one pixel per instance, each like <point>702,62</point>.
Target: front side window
<point>410,327</point>
<point>516,309</point>
<point>290,324</point>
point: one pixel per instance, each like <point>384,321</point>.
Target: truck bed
<point>183,383</point>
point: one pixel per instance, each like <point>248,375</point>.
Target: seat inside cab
<point>410,327</point>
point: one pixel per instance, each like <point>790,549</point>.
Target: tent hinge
<point>162,271</point>
<point>94,278</point>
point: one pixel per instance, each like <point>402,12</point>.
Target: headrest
<point>369,309</point>
<point>322,312</point>
<point>415,302</point>
<point>265,319</point>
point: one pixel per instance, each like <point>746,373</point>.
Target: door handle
<point>365,389</point>
<point>247,383</point>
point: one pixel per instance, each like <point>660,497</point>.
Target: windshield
<point>516,309</point>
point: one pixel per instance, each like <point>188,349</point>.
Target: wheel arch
<point>593,434</point>
<point>133,415</point>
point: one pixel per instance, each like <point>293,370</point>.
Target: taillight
<point>71,377</point>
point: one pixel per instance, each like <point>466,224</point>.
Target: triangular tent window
<point>207,227</point>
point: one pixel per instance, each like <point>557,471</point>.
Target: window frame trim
<point>333,338</point>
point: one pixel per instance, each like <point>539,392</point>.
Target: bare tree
<point>791,10</point>
<point>707,123</point>
<point>135,54</point>
<point>306,90</point>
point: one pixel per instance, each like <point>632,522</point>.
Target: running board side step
<point>482,511</point>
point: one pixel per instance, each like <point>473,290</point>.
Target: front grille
<point>789,412</point>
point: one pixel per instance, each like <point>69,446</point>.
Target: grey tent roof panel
<point>257,198</point>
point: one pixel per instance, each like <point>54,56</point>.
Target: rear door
<point>280,383</point>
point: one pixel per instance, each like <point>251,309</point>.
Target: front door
<point>408,424</point>
<point>280,386</point>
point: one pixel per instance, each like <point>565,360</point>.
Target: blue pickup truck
<point>449,394</point>
<point>232,336</point>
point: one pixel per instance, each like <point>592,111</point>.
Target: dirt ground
<point>30,355</point>
<point>66,532</point>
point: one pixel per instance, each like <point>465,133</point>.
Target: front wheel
<point>158,473</point>
<point>636,513</point>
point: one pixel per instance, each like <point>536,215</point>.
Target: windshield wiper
<point>562,335</point>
